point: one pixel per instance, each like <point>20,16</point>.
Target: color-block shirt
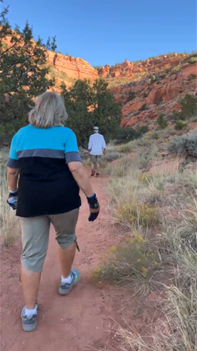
<point>46,185</point>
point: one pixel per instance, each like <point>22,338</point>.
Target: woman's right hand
<point>94,207</point>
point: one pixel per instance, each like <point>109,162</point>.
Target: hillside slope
<point>144,100</point>
<point>144,88</point>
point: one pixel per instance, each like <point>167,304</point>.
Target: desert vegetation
<point>156,214</point>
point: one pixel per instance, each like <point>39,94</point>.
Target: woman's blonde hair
<point>49,111</point>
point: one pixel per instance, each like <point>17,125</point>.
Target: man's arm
<point>90,144</point>
<point>104,146</point>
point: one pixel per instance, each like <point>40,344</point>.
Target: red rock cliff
<point>130,69</point>
<point>75,68</point>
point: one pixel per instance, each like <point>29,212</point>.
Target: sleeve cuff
<point>72,157</point>
<point>12,163</point>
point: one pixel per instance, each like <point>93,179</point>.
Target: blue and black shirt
<point>46,185</point>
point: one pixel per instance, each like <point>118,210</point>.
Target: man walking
<point>96,147</point>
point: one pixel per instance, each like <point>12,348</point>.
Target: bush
<point>186,145</point>
<point>142,130</point>
<point>193,60</point>
<point>131,96</point>
<point>138,214</point>
<point>127,134</point>
<point>124,148</point>
<point>161,121</point>
<point>8,220</point>
<point>112,156</point>
<point>155,136</point>
<point>192,76</point>
<point>180,125</point>
<point>121,168</point>
<point>143,108</point>
<point>131,265</point>
<point>176,69</point>
<point>189,106</point>
<point>160,100</point>
<point>145,95</point>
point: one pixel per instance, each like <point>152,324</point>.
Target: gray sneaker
<point>64,289</point>
<point>29,323</point>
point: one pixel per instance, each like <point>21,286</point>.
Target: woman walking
<point>45,174</point>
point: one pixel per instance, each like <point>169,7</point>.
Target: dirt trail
<point>67,323</point>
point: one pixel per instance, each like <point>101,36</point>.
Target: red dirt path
<point>79,321</point>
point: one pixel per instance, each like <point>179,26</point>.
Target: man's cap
<point>96,128</point>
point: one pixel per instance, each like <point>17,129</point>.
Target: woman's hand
<point>13,199</point>
<point>94,208</point>
<point>81,177</point>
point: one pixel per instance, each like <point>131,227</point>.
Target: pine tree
<point>23,73</point>
<point>89,105</point>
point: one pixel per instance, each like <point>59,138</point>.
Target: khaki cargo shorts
<point>35,237</point>
<point>95,158</point>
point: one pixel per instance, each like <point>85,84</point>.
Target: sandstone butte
<point>75,68</point>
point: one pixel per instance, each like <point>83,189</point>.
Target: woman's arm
<point>81,177</point>
<point>12,177</point>
<point>82,180</point>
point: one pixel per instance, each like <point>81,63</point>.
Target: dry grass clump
<point>138,214</point>
<point>121,167</point>
<point>132,265</point>
<point>139,263</point>
<point>8,220</point>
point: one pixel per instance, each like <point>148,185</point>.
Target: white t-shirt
<point>96,144</point>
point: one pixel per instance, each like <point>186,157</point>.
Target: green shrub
<point>184,145</point>
<point>178,115</point>
<point>189,106</point>
<point>142,130</point>
<point>160,100</point>
<point>193,59</point>
<point>124,148</point>
<point>155,136</point>
<point>180,125</point>
<point>131,265</point>
<point>143,108</point>
<point>161,121</point>
<point>131,96</point>
<point>127,134</point>
<point>177,68</point>
<point>112,156</point>
<point>134,214</point>
<point>192,76</point>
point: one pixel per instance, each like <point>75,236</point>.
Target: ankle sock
<point>31,312</point>
<point>66,280</point>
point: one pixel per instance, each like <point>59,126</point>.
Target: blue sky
<point>110,31</point>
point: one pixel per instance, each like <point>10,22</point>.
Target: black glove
<point>12,199</point>
<point>94,208</point>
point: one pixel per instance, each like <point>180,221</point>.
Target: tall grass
<point>8,220</point>
<point>177,330</point>
<point>172,251</point>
